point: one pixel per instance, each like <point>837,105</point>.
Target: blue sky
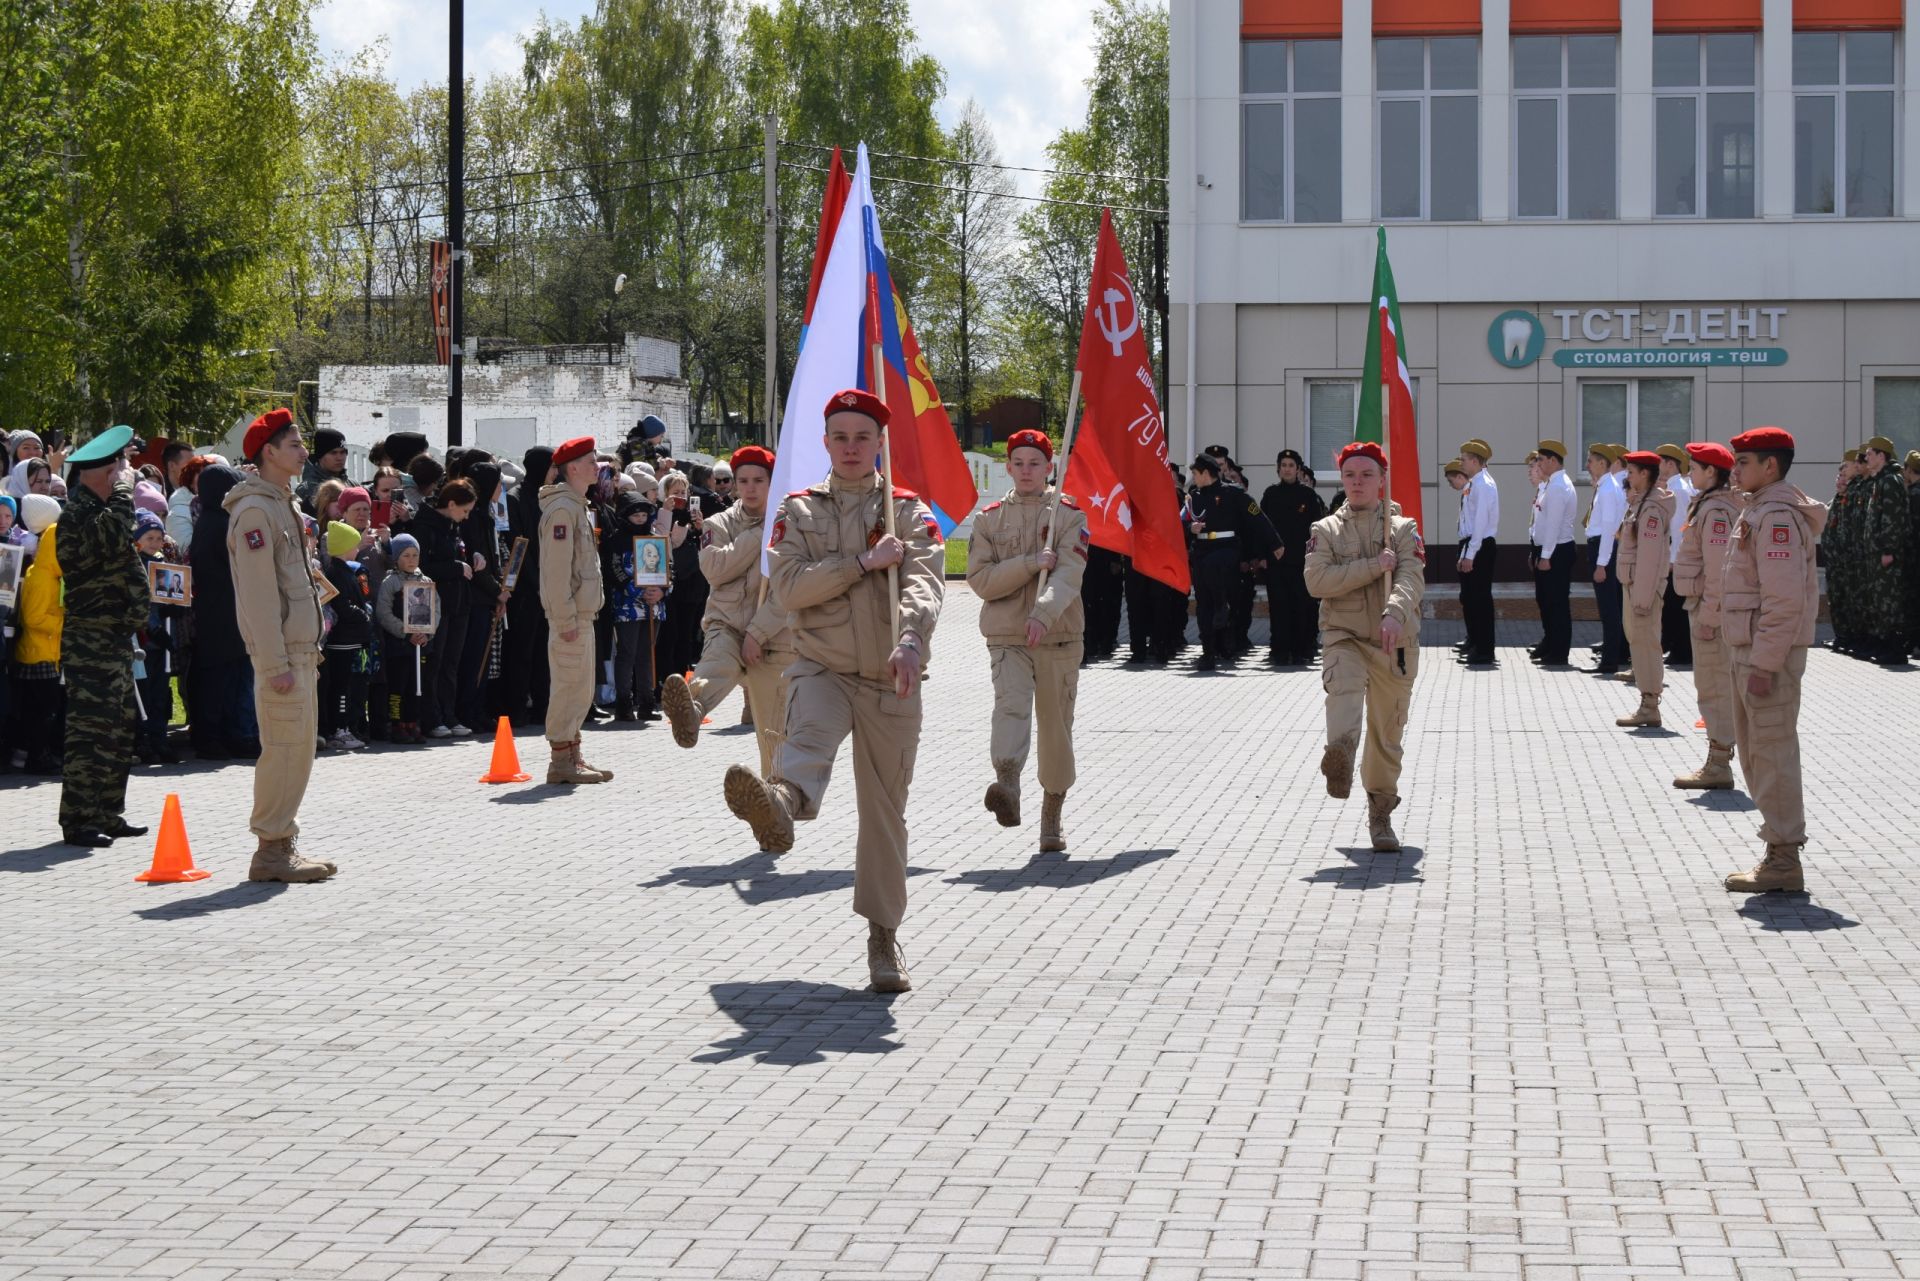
<point>1026,61</point>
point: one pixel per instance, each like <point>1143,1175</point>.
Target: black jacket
<point>1291,508</point>
<point>216,621</point>
<point>442,552</point>
<point>352,608</point>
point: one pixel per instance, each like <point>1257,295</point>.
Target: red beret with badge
<point>855,401</point>
<point>578,447</point>
<point>1711,454</point>
<point>1762,438</point>
<point>1641,457</point>
<point>1361,449</point>
<point>1030,439</point>
<point>752,456</point>
<point>263,429</point>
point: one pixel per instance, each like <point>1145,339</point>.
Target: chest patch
<point>255,540</point>
<point>559,533</point>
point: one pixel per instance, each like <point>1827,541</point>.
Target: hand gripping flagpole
<point>1066,453</point>
<point>886,486</point>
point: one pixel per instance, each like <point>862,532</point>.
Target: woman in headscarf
<point>223,726</point>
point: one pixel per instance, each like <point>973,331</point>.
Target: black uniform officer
<point>1227,529</point>
<point>1291,507</point>
<point>1102,589</point>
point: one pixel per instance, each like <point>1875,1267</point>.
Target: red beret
<point>1763,438</point>
<point>1361,449</point>
<point>578,447</point>
<point>1030,439</point>
<point>752,456</point>
<point>855,401</point>
<point>1709,454</point>
<point>263,429</point>
<point>1644,457</point>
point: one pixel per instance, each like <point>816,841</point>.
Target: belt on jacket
<point>1210,535</point>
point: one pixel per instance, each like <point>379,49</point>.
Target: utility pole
<point>456,209</point>
<point>770,433</point>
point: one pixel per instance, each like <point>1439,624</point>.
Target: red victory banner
<point>440,300</point>
<point>1118,467</point>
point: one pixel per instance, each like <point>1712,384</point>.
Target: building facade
<point>1609,220</point>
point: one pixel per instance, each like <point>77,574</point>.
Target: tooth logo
<point>1516,338</point>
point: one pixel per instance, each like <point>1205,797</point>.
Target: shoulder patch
<point>560,532</point>
<point>1781,534</point>
<point>779,530</point>
<point>933,526</point>
<point>1253,508</point>
<point>255,540</point>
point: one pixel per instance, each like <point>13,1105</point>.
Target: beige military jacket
<point>1003,568</point>
<point>1769,590</point>
<point>570,587</point>
<point>1703,554</point>
<point>275,597</point>
<point>842,619</point>
<point>730,560</point>
<point>1643,561</point>
<point>1342,569</point>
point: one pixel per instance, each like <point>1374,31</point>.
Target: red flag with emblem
<point>1118,472</point>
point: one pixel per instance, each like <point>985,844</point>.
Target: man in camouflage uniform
<point>1911,474</point>
<point>1884,532</point>
<point>106,603</point>
<point>1840,545</point>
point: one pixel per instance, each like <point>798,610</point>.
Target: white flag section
<point>830,358</point>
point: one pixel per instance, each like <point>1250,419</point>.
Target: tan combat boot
<point>565,767</point>
<point>1003,795</point>
<point>1052,839</point>
<point>1647,716</point>
<point>683,714</point>
<point>767,807</point>
<point>1779,870</point>
<point>580,762</point>
<point>1380,807</point>
<point>281,860</point>
<point>1715,774</point>
<point>1337,764</point>
<point>886,964</point>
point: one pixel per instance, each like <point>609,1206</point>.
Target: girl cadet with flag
<point>1370,590</point>
<point>1025,561</point>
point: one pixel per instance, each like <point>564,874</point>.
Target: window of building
<point>1565,153</point>
<point>1290,130</point>
<point>1641,413</point>
<point>1896,413</point>
<point>1843,128</point>
<point>1333,410</point>
<point>1427,122</point>
<point>1705,152</point>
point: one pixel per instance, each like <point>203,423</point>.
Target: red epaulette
<point>990,506</point>
<point>1065,501</point>
<point>904,493</point>
<point>799,493</point>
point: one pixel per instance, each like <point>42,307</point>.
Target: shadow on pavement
<point>757,879</point>
<point>1054,871</point>
<point>1722,801</point>
<point>1367,869</point>
<point>46,857</point>
<point>1792,913</point>
<point>245,894</point>
<point>530,793</point>
<point>790,1023</point>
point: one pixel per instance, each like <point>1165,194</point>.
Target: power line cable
<point>998,195</point>
<point>509,206</point>
<point>984,164</point>
<point>524,173</point>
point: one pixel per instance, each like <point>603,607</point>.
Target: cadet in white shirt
<point>1553,556</point>
<point>1676,632</point>
<point>1479,548</point>
<point>1609,508</point>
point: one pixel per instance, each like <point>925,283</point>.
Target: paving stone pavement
<point>587,1035</point>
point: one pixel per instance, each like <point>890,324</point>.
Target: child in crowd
<point>10,530</point>
<point>153,668</point>
<point>403,650</point>
<point>343,665</point>
<point>633,636</point>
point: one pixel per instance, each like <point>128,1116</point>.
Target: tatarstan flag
<point>1386,385</point>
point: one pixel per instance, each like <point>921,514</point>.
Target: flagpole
<point>1066,452</point>
<point>1386,450</point>
<point>886,482</point>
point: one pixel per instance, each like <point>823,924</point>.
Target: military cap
<point>1361,449</point>
<point>1763,438</point>
<point>102,449</point>
<point>578,447</point>
<point>1851,456</point>
<point>1675,452</point>
<point>1611,452</point>
<point>1880,443</point>
<point>1478,448</point>
<point>855,401</point>
<point>263,429</point>
<point>1453,468</point>
<point>1710,454</point>
<point>1553,447</point>
<point>1030,439</point>
<point>1913,458</point>
<point>753,456</point>
<point>1641,458</point>
<point>1294,454</point>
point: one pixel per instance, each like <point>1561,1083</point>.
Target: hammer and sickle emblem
<point>1108,315</point>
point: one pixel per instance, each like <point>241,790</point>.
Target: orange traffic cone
<point>172,856</point>
<point>506,761</point>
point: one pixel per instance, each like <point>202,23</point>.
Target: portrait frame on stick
<point>652,561</point>
<point>516,561</point>
<point>419,609</point>
<point>169,583</point>
<point>13,560</point>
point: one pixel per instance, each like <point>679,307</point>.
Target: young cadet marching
<point>278,603</point>
<point>1642,567</point>
<point>747,641</point>
<point>1370,592</point>
<point>106,603</point>
<point>572,594</point>
<point>1707,531</point>
<point>1033,636</point>
<point>851,674</point>
<point>1770,598</point>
